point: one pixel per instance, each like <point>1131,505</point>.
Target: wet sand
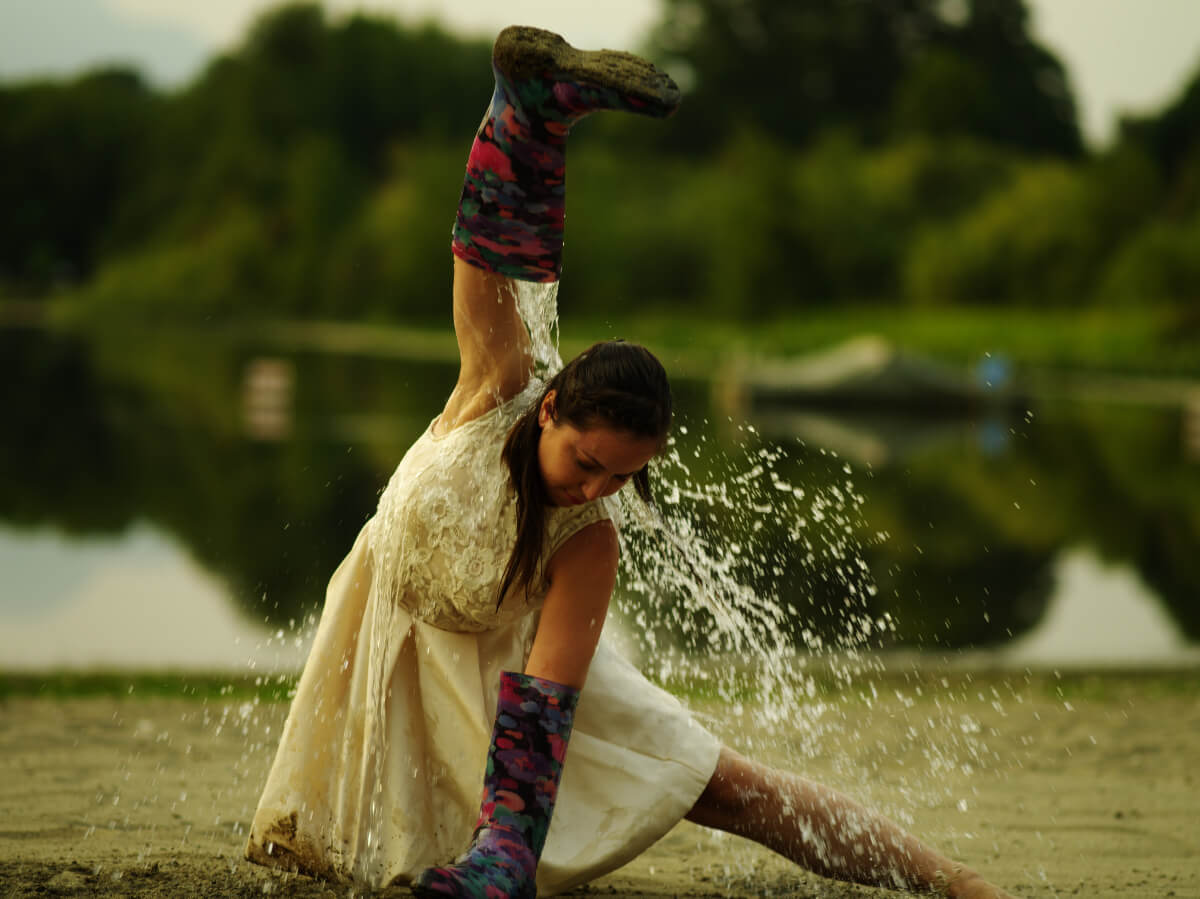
<point>1084,786</point>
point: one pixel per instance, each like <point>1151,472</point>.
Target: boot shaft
<point>534,718</point>
<point>513,205</point>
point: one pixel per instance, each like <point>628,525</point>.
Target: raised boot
<point>511,214</point>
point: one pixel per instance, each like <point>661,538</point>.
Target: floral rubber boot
<point>534,717</point>
<point>511,213</point>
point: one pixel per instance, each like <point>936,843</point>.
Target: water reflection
<point>259,466</point>
<point>267,388</point>
<point>1191,427</point>
<point>134,601</point>
<point>878,440</point>
<point>1100,614</point>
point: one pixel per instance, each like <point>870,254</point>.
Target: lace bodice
<point>446,525</point>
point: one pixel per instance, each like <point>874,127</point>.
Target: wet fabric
<point>380,762</point>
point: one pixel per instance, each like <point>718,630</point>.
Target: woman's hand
<point>967,884</point>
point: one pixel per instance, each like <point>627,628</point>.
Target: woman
<point>458,634</point>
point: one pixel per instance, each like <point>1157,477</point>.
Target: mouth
<point>573,500</point>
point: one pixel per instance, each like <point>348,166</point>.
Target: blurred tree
<point>254,176</point>
<point>366,81</point>
<point>838,150</point>
<point>648,249</point>
<point>1028,102</point>
<point>858,210</point>
<point>361,85</point>
<point>944,94</point>
<point>1172,137</point>
<point>791,69</point>
<point>392,261</point>
<point>322,194</point>
<point>223,272</point>
<point>1045,237</point>
<point>752,260</point>
<point>797,68</point>
<point>69,153</point>
<point>1162,262</point>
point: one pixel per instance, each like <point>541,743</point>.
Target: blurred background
<point>950,248</point>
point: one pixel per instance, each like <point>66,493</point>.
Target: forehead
<point>617,450</point>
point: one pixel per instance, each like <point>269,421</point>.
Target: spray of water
<point>704,579</point>
<point>715,603</point>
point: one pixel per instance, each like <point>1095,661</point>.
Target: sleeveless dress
<point>380,765</point>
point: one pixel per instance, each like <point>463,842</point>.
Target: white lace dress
<point>380,765</point>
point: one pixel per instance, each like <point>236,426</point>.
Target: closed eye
<point>590,466</point>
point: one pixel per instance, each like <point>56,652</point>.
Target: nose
<point>595,487</point>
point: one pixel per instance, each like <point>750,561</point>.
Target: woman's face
<point>582,465</point>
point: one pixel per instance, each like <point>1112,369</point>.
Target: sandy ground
<point>1076,787</point>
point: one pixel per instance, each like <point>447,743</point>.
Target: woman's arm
<point>582,575</point>
<point>495,357</point>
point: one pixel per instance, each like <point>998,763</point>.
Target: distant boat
<point>868,373</point>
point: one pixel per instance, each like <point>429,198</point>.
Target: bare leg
<point>511,214</point>
<point>493,345</point>
<point>827,832</point>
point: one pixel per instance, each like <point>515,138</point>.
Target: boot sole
<point>522,52</point>
<point>423,892</point>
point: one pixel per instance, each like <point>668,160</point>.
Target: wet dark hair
<point>611,384</point>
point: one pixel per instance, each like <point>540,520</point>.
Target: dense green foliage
<point>880,70</point>
<point>895,152</point>
<point>138,686</point>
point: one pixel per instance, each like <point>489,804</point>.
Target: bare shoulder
<point>469,401</point>
<point>590,554</point>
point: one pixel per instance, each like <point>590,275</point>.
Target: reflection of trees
<point>100,435</point>
<point>948,566</point>
<point>1154,520</point>
<point>972,528</point>
<point>103,444</point>
<point>63,463</point>
<point>950,572</point>
<point>974,532</point>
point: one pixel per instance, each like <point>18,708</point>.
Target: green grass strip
<point>145,685</point>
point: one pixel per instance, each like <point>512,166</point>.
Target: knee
<point>736,786</point>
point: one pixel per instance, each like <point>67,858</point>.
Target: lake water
<point>181,505</point>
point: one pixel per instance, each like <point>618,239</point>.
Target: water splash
<point>723,601</point>
<point>748,583</point>
<point>702,575</point>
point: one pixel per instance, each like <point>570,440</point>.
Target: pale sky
<point>1122,55</point>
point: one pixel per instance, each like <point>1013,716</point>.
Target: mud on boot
<point>513,206</point>
<point>602,79</point>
